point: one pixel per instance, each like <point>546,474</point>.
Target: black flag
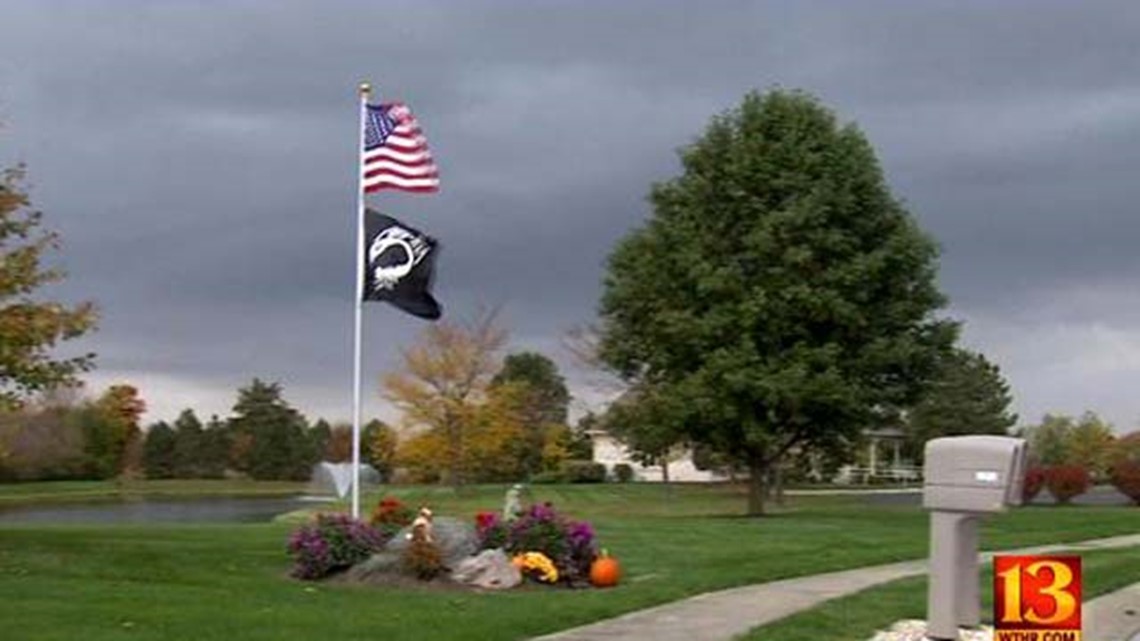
<point>398,265</point>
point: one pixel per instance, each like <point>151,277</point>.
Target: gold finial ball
<point>365,87</point>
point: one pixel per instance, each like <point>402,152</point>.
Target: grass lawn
<point>230,582</point>
<point>857,617</point>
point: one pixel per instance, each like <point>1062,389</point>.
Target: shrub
<point>1125,476</point>
<point>623,473</point>
<point>390,516</point>
<point>584,472</point>
<point>332,542</point>
<point>1033,484</point>
<point>1067,481</point>
<point>548,477</point>
<point>422,559</point>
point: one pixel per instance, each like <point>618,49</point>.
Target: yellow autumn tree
<point>30,328</point>
<point>452,427</point>
<point>497,429</point>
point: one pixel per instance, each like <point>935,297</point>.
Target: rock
<point>490,569</point>
<point>456,540</point>
<point>915,630</point>
<point>379,564</point>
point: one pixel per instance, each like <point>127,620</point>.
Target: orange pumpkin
<point>605,571</point>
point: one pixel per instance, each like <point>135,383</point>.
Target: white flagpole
<point>365,90</point>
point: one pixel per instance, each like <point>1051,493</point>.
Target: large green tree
<point>643,421</point>
<point>30,328</point>
<point>543,407</point>
<point>547,393</point>
<point>968,395</point>
<point>277,446</point>
<point>779,294</point>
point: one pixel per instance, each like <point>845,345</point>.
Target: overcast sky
<point>198,159</point>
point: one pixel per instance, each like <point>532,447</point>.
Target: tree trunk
<point>665,471</point>
<point>778,481</point>
<point>757,471</point>
<point>455,453</point>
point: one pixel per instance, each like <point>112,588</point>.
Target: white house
<point>609,451</point>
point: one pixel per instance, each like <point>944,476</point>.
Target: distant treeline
<point>62,437</point>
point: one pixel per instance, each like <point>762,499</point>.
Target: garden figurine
<point>512,506</point>
<point>421,527</point>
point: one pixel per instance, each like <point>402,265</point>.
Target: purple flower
<point>544,512</point>
<point>581,534</point>
<point>331,543</point>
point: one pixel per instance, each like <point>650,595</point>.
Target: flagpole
<point>364,90</point>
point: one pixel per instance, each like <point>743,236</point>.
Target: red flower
<point>484,520</point>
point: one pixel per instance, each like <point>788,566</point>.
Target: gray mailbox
<point>964,477</point>
<point>973,473</point>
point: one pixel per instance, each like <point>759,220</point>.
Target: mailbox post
<point>965,477</point>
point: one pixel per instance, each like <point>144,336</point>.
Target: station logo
<point>1037,598</point>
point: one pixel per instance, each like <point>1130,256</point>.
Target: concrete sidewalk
<point>721,616</point>
<point>1113,617</point>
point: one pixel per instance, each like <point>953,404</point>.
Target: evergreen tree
<point>967,396</point>
<point>189,458</point>
<point>278,446</point>
<point>779,295</point>
<point>319,435</point>
<point>215,448</point>
<point>158,451</point>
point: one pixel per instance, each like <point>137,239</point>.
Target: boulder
<point>456,540</point>
<point>378,565</point>
<point>490,569</point>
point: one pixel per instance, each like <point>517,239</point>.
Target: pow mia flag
<point>399,266</point>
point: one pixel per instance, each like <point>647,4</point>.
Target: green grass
<point>229,582</point>
<point>858,616</point>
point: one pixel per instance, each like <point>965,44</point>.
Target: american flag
<point>396,155</point>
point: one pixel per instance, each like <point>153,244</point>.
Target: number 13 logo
<point>1037,592</point>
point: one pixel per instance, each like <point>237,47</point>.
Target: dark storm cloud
<point>198,158</point>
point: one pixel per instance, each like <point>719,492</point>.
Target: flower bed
<point>332,542</point>
<point>539,545</point>
<point>570,545</point>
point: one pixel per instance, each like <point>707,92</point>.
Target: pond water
<point>158,510</point>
